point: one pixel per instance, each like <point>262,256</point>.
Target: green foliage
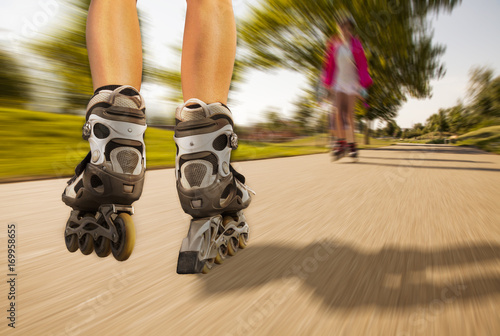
<point>65,52</point>
<point>274,119</point>
<point>482,110</point>
<point>487,138</point>
<point>482,133</point>
<point>13,81</point>
<point>484,91</point>
<point>305,110</point>
<point>437,122</point>
<point>415,131</point>
<point>392,129</point>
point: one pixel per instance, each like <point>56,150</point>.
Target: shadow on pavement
<point>342,276</point>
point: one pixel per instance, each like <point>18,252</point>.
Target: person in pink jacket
<point>346,78</point>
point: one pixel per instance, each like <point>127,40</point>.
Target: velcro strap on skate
<point>233,141</point>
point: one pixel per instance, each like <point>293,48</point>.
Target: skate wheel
<point>102,247</point>
<point>226,220</point>
<point>86,244</point>
<point>221,254</point>
<point>232,246</point>
<point>122,249</point>
<point>71,242</point>
<point>243,241</point>
<point>209,264</point>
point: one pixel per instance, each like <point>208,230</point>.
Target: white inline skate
<point>111,176</point>
<point>209,189</point>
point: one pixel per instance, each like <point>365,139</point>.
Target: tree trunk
<point>367,132</point>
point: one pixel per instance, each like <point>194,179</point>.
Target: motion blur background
<point>404,242</point>
<point>434,66</point>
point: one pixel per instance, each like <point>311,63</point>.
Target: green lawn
<point>486,138</point>
<point>39,145</point>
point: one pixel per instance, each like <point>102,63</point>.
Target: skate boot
<point>339,149</point>
<point>209,188</point>
<point>111,176</point>
<point>353,151</point>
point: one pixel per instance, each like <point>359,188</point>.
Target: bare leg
<point>333,126</point>
<point>351,104</point>
<point>341,100</point>
<point>114,43</point>
<point>208,50</point>
<point>331,118</point>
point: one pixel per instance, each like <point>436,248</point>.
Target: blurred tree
<point>13,82</point>
<point>64,49</point>
<point>322,123</point>
<point>304,114</point>
<point>484,92</point>
<point>457,118</point>
<point>392,129</point>
<point>438,122</point>
<point>274,119</point>
<point>418,127</point>
<point>482,108</point>
<point>291,34</point>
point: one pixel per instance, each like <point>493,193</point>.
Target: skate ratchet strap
<point>137,99</point>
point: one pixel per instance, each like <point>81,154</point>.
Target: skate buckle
<point>122,208</point>
<point>86,131</point>
<point>233,140</point>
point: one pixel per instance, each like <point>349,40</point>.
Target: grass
<point>374,143</point>
<point>41,145</point>
<point>486,138</point>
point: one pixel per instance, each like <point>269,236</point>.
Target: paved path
<point>404,242</point>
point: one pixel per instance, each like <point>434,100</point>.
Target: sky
<point>470,34</point>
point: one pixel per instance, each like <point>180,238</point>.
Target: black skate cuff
<point>126,92</point>
<point>81,167</point>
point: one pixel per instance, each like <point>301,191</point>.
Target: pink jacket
<point>329,67</point>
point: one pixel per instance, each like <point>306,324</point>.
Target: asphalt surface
<point>404,242</point>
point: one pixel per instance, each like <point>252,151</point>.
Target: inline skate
<point>209,188</point>
<point>111,176</point>
<point>353,151</point>
<point>339,149</point>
